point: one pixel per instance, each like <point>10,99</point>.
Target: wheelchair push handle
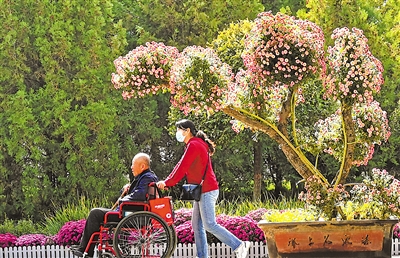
<point>155,185</point>
<point>152,184</point>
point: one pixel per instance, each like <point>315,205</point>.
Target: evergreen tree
<point>187,22</point>
<point>59,120</point>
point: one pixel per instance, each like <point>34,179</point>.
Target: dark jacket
<point>139,186</point>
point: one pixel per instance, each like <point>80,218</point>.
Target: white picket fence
<point>396,247</point>
<point>258,250</point>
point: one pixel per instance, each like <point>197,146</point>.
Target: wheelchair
<point>138,229</point>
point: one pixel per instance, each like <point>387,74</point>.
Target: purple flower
<point>32,240</point>
<point>70,233</point>
<point>7,240</point>
<point>244,228</point>
<point>182,215</point>
<point>185,233</point>
<point>256,215</point>
<point>396,231</point>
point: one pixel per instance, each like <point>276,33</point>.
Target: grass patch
<point>70,212</point>
<point>18,228</point>
<point>243,207</point>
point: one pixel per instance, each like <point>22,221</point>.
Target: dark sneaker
<point>77,252</point>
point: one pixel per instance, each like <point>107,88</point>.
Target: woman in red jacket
<point>192,165</point>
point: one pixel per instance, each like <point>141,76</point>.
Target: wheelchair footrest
<point>111,224</point>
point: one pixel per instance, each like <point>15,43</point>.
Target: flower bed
<point>8,240</point>
<point>245,228</point>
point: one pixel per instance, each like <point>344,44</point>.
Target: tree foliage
<point>58,115</point>
<point>187,22</point>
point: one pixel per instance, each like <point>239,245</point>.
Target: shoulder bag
<point>192,192</point>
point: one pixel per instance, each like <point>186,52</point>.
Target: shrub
<point>18,228</point>
<point>182,215</point>
<point>7,240</point>
<point>70,233</point>
<point>276,215</point>
<point>7,226</point>
<point>33,240</point>
<point>244,228</point>
<point>185,233</point>
<point>257,215</point>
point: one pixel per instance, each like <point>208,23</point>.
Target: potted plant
<point>309,101</point>
<point>364,229</point>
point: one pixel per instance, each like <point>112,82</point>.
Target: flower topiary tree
<point>144,70</point>
<point>284,64</point>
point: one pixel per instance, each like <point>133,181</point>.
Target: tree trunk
<point>257,147</point>
<point>349,136</point>
<point>294,157</point>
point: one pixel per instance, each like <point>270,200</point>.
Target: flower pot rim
<point>361,221</point>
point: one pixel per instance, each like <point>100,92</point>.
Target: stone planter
<point>349,238</point>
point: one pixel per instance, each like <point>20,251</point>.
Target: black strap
<point>153,192</point>
<point>205,171</point>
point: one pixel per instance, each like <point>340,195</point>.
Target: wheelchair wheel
<point>106,255</point>
<point>174,240</point>
<point>142,234</point>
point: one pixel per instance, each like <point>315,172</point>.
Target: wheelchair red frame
<point>138,229</point>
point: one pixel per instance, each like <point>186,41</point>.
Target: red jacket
<point>192,165</point>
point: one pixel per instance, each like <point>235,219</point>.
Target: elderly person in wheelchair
<point>136,191</point>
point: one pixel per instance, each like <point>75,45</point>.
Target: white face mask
<point>179,136</point>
